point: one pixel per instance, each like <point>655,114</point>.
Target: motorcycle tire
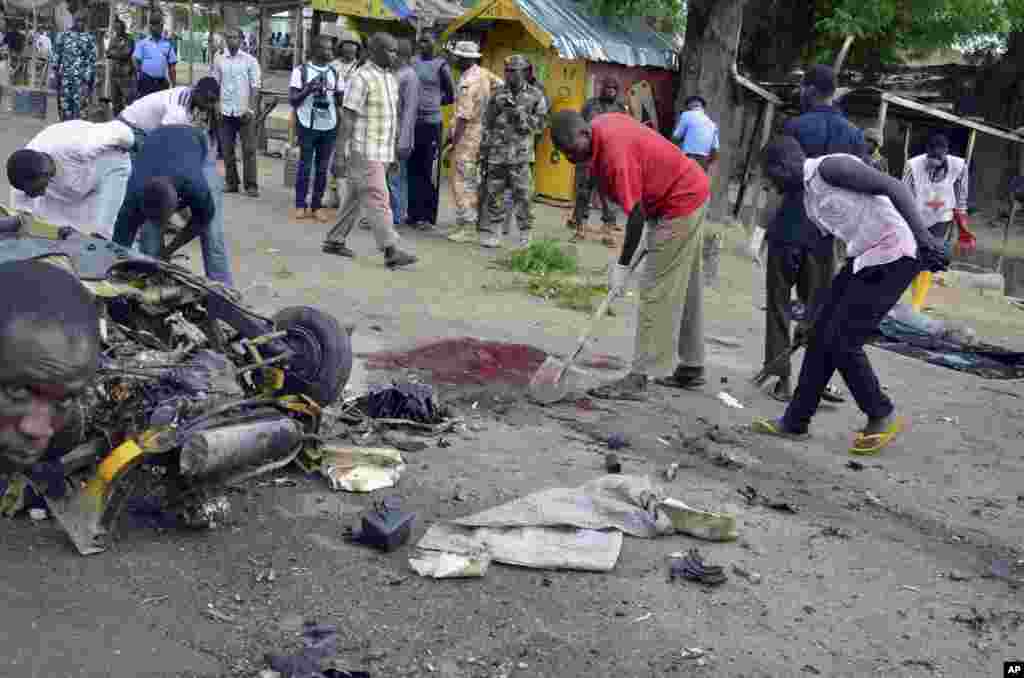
<point>323,361</point>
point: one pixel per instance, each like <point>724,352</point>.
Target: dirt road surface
<point>882,571</point>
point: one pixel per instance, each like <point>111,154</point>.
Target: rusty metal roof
<point>578,34</point>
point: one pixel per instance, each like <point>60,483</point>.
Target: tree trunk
<point>777,36</point>
<point>709,52</point>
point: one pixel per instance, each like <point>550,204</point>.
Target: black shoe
<point>398,258</point>
<point>231,189</point>
<point>337,249</point>
<point>252,192</point>
<point>688,378</point>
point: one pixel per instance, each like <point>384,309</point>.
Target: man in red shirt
<point>656,185</point>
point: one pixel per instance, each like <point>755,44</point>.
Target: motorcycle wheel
<point>322,362</point>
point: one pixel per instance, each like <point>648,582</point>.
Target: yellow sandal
<point>869,444</point>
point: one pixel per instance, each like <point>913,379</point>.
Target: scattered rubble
<point>744,573</point>
<point>754,497</point>
<point>441,565</point>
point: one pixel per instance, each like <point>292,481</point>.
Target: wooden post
<point>748,165</point>
<point>766,133</point>
<point>883,108</point>
<point>297,29</point>
<point>110,32</point>
<point>191,56</point>
<point>906,147</point>
<point>970,146</point>
<point>841,57</point>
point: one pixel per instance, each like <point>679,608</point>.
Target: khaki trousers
<point>670,322</point>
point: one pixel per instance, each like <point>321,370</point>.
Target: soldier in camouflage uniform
<point>122,68</point>
<point>515,114</point>
<point>607,102</point>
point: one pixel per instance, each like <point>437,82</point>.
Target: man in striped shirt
<point>369,136</point>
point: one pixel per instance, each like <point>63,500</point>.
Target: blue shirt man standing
<point>697,134</point>
<point>155,58</point>
<point>799,254</point>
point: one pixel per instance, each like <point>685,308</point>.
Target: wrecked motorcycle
<point>194,391</point>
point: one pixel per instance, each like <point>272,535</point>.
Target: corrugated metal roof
<point>578,34</point>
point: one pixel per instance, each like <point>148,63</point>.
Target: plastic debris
<point>38,514</point>
<point>729,400</point>
<point>744,573</point>
<point>404,400</point>
<point>671,471</point>
<point>316,658</point>
<point>361,469</point>
<point>691,565</point>
<point>442,565</point>
<point>692,653</point>
<point>700,524</point>
<point>617,441</point>
<point>385,527</point>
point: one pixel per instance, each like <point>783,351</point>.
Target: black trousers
<point>232,129</point>
<point>788,266</point>
<point>148,85</point>
<point>850,312</point>
<point>423,195</point>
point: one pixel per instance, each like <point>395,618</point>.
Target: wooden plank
<point>756,89</point>
<point>883,109</point>
<point>478,11</point>
<point>906,147</point>
<point>970,146</point>
<point>756,188</point>
<point>949,117</point>
<point>534,29</point>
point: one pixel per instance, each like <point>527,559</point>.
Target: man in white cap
<point>471,97</point>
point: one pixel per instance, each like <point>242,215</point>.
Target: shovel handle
<point>601,311</point>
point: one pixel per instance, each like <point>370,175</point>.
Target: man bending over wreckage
<point>887,246</point>
<point>49,351</point>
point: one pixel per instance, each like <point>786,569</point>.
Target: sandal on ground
<point>692,567</point>
<point>833,394</point>
<point>869,444</point>
<point>774,427</point>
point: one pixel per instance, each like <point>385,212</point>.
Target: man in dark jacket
<point>799,254</point>
<point>167,177</point>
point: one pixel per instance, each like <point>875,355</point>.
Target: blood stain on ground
<point>465,360</point>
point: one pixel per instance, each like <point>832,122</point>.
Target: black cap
<point>822,78</point>
<point>695,97</point>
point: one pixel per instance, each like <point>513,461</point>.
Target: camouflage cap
<point>516,62</point>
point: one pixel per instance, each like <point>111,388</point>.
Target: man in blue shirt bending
<point>155,58</point>
<point>799,254</point>
<point>168,176</point>
<point>697,134</point>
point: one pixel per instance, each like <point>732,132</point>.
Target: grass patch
<point>570,293</point>
<point>542,257</point>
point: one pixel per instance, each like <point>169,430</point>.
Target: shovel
<point>547,386</point>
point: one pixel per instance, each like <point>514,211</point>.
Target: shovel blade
<point>547,386</point>
<point>80,515</point>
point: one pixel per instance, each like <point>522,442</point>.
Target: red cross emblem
<point>935,203</point>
